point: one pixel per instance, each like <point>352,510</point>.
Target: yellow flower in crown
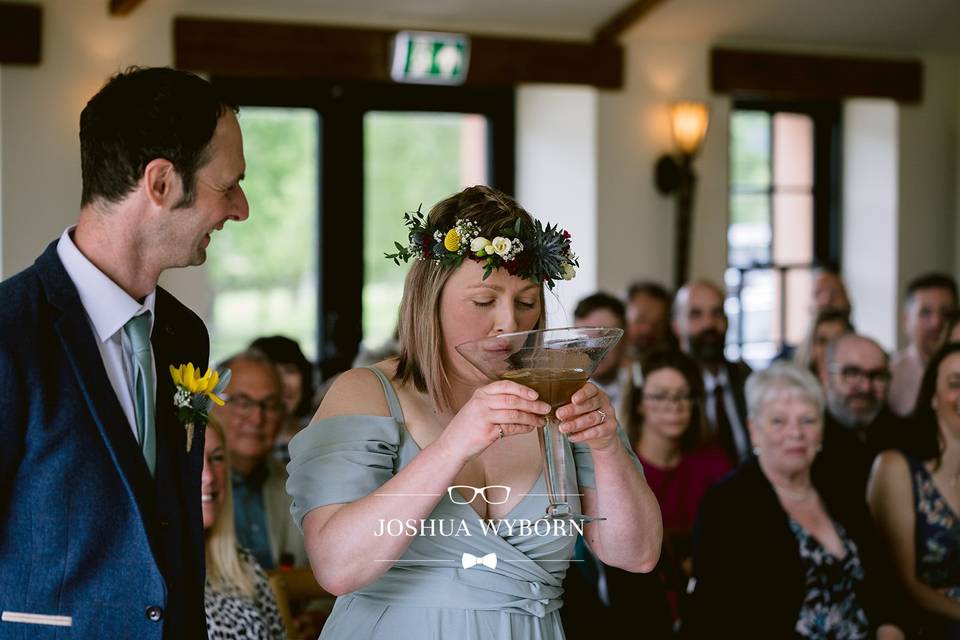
<point>196,394</point>
<point>452,240</point>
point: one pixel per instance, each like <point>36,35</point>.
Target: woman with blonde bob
<point>410,462</point>
<point>237,597</point>
<point>774,532</point>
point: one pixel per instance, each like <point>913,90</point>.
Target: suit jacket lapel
<point>80,347</point>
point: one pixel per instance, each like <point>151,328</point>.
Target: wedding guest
<point>777,552</point>
<point>251,416</point>
<point>296,373</point>
<point>700,324</point>
<point>914,494</point>
<point>930,301</point>
<point>391,442</point>
<point>238,600</point>
<point>829,325</point>
<point>951,332</point>
<point>667,428</point>
<point>611,376</point>
<point>648,319</point>
<point>100,532</point>
<point>858,423</point>
<point>828,291</point>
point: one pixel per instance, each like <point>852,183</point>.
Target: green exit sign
<point>430,58</point>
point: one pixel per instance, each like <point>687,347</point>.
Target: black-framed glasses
<point>851,374</point>
<point>244,404</point>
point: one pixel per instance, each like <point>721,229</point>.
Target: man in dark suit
<point>700,325</point>
<point>100,527</point>
<point>858,423</point>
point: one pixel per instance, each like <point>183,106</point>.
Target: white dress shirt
<point>710,384</point>
<point>108,309</point>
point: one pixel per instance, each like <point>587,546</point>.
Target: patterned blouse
<point>937,534</point>
<point>830,609</point>
<point>232,617</point>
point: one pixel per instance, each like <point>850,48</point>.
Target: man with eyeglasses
<point>251,417</point>
<point>858,424</point>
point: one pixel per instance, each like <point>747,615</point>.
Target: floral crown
<point>542,254</point>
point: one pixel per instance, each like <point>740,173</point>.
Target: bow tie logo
<point>469,560</point>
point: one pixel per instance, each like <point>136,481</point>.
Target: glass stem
<point>553,450</point>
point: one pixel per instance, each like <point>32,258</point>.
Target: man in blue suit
<point>101,533</point>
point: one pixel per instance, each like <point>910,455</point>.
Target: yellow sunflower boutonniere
<point>196,394</point>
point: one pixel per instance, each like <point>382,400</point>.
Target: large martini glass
<point>555,363</point>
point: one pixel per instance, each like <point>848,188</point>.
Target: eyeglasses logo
<point>458,498</point>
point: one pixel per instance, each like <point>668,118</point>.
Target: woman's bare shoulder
<point>355,392</point>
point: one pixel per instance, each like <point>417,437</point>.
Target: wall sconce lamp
<point>674,174</point>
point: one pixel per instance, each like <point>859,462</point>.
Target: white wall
<point>633,131</point>
<point>927,173</point>
<point>870,220</point>
<point>557,178</point>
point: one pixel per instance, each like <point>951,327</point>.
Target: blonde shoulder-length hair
<point>421,358</point>
<point>226,571</point>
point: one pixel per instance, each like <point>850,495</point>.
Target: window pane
<point>410,159</point>
<point>748,237</point>
<point>792,228</point>
<point>799,285</point>
<point>263,272</point>
<point>750,149</point>
<point>792,151</point>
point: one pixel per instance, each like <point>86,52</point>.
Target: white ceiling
<point>884,25</point>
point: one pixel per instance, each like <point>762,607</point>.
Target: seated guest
<point>251,417</point>
<point>829,325</point>
<point>777,552</point>
<point>931,299</point>
<point>237,597</point>
<point>700,324</point>
<point>648,320</point>
<point>296,373</point>
<point>666,427</point>
<point>914,495</point>
<point>858,424</point>
<point>828,292</point>
<point>603,310</point>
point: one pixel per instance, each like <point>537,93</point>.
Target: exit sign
<point>430,58</point>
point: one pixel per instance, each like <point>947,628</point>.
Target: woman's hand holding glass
<point>589,418</point>
<point>494,411</point>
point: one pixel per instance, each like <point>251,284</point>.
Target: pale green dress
<point>427,593</point>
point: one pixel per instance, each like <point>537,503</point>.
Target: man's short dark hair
<point>598,301</point>
<point>933,280</point>
<point>649,288</point>
<point>142,114</point>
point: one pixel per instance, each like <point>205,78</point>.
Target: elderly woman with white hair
<point>777,553</point>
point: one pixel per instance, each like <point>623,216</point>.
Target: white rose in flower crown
<point>569,272</point>
<point>479,244</point>
<point>501,245</point>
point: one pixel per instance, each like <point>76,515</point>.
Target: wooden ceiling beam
<point>807,77</point>
<point>123,7</point>
<point>21,30</point>
<point>247,48</point>
<point>624,19</point>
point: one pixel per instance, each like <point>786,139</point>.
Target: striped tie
<point>138,331</point>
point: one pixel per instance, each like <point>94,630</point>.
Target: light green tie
<point>138,331</point>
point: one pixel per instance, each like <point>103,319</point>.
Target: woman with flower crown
<point>373,477</point>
